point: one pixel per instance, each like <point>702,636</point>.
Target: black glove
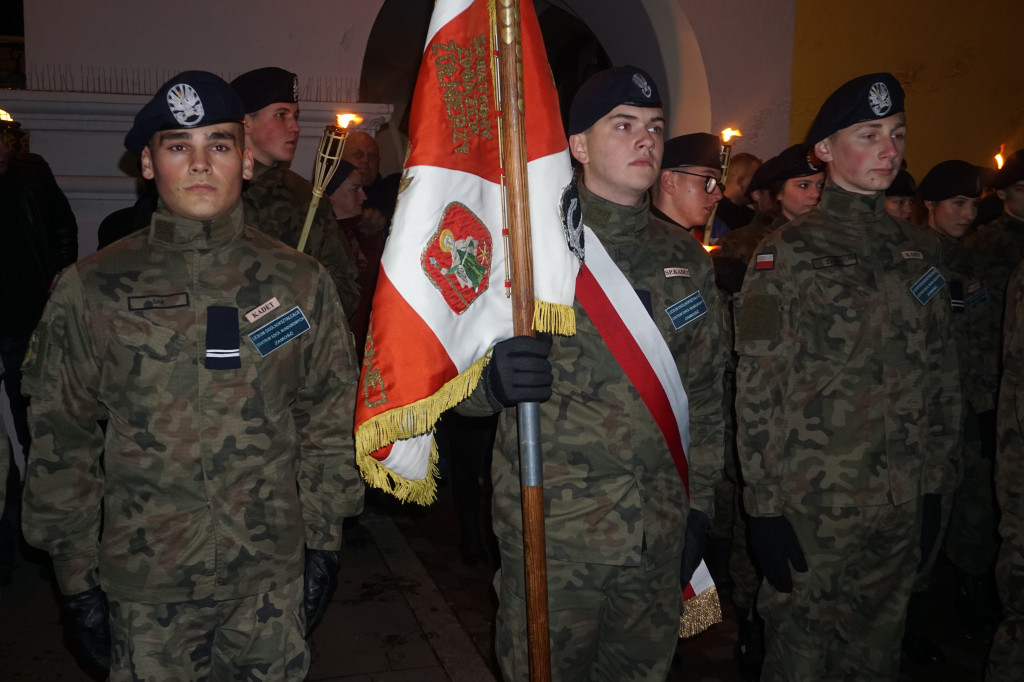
<point>696,542</point>
<point>520,371</point>
<point>87,626</point>
<point>320,581</point>
<point>931,520</point>
<point>775,547</point>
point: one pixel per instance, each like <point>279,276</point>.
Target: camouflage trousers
<point>973,539</point>
<point>1006,658</point>
<point>844,618</point>
<point>613,623</point>
<point>256,638</point>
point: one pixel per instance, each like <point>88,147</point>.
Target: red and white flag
<point>440,303</point>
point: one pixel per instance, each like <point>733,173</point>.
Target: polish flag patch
<point>764,261</point>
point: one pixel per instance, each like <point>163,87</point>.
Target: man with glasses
<point>689,184</point>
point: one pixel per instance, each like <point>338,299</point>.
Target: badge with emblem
<point>185,105</point>
<point>879,100</point>
<point>458,257</point>
<point>572,219</point>
<point>641,82</point>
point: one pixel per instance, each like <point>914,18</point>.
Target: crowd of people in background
<point>849,356</point>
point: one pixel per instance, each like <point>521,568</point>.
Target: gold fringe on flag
<point>700,613</point>
<point>554,318</point>
<point>420,492</point>
<point>419,417</point>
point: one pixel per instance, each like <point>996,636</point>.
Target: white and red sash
<point>638,346</point>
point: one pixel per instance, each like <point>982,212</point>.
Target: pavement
<point>408,610</point>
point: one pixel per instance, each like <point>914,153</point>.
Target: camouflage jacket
<point>210,481</point>
<point>1000,246</point>
<point>742,242</point>
<point>276,202</point>
<point>975,320</point>
<point>1010,444</point>
<point>735,249</point>
<point>848,390</point>
<point>612,494</point>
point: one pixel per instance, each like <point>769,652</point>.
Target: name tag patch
<point>677,272</point>
<point>912,255</point>
<point>687,310</point>
<point>261,310</point>
<point>927,286</point>
<point>834,261</point>
<point>176,300</point>
<point>276,333</point>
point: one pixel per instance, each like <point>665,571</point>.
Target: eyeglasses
<point>711,183</point>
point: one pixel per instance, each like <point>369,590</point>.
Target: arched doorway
<point>580,36</point>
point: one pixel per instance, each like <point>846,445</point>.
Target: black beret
<point>342,172</point>
<point>606,90</point>
<point>695,149</point>
<point>950,179</point>
<point>262,87</point>
<point>1012,171</point>
<point>866,98</point>
<point>792,162</point>
<point>192,99</point>
<point>902,185</point>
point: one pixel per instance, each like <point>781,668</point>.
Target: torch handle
<point>313,203</point>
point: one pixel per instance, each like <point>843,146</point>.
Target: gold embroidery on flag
<point>462,74</point>
<point>373,382</point>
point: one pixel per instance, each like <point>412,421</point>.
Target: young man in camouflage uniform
<point>848,403</point>
<point>213,354</point>
<point>689,185</point>
<point>1006,658</point>
<point>276,198</point>
<point>615,507</point>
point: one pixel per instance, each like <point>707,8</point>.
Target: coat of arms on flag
<point>458,257</point>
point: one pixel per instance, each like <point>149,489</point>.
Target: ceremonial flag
<point>441,301</point>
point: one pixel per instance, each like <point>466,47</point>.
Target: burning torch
<point>727,135</point>
<point>332,145</point>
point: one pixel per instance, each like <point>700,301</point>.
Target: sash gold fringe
<point>554,318</point>
<point>700,613</point>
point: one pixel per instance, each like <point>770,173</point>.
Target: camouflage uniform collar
<point>173,231</point>
<point>261,169</point>
<point>611,220</point>
<point>949,245</point>
<point>850,207</point>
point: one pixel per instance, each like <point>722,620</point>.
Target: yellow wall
<point>959,62</point>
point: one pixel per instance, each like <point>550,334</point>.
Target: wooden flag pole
<point>517,212</point>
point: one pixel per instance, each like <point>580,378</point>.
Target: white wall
<point>91,66</point>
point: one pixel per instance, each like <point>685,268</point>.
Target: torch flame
<point>729,133</point>
<point>344,120</point>
<point>999,157</point>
